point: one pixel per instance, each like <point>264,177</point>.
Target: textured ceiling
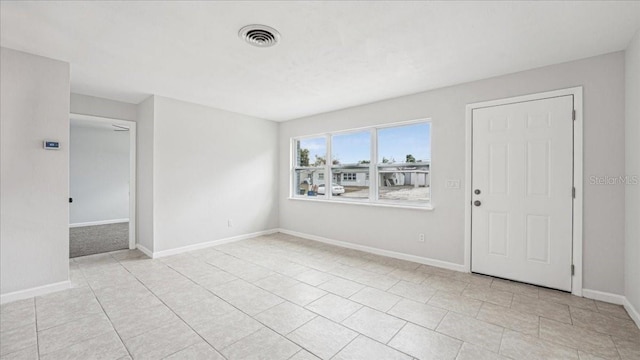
<point>332,55</point>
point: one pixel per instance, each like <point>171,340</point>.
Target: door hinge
<point>573,192</point>
<point>573,269</point>
<point>573,114</point>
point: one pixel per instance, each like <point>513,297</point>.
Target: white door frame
<point>576,283</point>
<point>132,165</point>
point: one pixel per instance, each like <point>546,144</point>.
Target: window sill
<point>427,207</point>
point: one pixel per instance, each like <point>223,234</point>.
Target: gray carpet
<point>88,240</point>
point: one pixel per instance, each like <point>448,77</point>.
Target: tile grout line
<point>83,317</point>
<point>511,298</point>
<point>35,315</point>
<point>387,343</point>
<point>386,291</point>
<point>348,279</point>
<point>501,340</point>
<point>616,346</point>
<point>398,332</point>
<point>460,349</point>
<point>20,349</point>
<point>347,344</point>
<point>233,307</point>
<point>107,315</point>
<point>297,352</point>
<point>170,309</point>
<point>326,272</point>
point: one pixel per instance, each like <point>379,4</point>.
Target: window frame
<point>294,167</point>
<point>373,175</point>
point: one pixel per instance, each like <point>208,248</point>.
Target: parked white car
<point>335,189</point>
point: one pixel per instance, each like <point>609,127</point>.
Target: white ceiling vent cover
<point>259,35</point>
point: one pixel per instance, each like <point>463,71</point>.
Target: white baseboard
<point>207,244</point>
<point>604,296</point>
<point>36,291</point>
<point>613,299</point>
<point>633,312</point>
<point>146,251</point>
<point>101,222</point>
<point>372,250</point>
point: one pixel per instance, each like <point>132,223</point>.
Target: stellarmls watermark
<point>614,180</point>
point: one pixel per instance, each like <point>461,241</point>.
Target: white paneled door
<point>522,183</point>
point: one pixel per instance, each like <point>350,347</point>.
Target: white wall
<point>34,215</point>
<point>95,106</point>
<point>144,173</point>
<point>632,141</point>
<point>397,229</point>
<point>210,166</point>
<point>99,173</point>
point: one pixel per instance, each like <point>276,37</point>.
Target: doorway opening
<point>101,185</point>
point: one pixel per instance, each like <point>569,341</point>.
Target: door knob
<point>476,191</point>
<point>477,203</point>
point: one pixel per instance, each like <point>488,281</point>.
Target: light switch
<point>453,184</point>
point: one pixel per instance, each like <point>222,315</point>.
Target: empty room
<point>362,180</point>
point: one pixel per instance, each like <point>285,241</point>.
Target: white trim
<point>372,250</point>
<point>614,299</point>
<point>633,312</point>
<point>101,222</point>
<point>35,291</point>
<point>578,161</point>
<point>576,92</point>
<point>328,163</point>
<point>604,296</point>
<point>146,251</point>
<point>426,207</point>
<point>204,245</point>
<point>132,165</point>
<point>362,128</point>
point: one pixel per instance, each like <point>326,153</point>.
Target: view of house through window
<point>404,161</point>
<point>399,174</point>
<point>351,154</point>
<point>309,167</point>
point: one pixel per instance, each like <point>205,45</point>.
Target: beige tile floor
<point>281,297</point>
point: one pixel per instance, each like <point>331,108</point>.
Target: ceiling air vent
<point>259,35</point>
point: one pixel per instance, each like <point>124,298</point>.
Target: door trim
<point>132,166</point>
<point>576,92</point>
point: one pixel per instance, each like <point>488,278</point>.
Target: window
<point>351,154</point>
<point>386,164</point>
<point>349,177</point>
<point>404,155</point>
<point>310,155</point>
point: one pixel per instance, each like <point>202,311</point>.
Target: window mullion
<point>293,159</point>
<point>328,177</point>
<point>373,168</point>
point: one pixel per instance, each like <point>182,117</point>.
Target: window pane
<point>351,156</point>
<point>405,144</point>
<point>311,152</point>
<point>308,182</point>
<point>404,161</point>
<point>405,183</point>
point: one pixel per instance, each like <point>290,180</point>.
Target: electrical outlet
<point>420,237</point>
<point>229,223</point>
